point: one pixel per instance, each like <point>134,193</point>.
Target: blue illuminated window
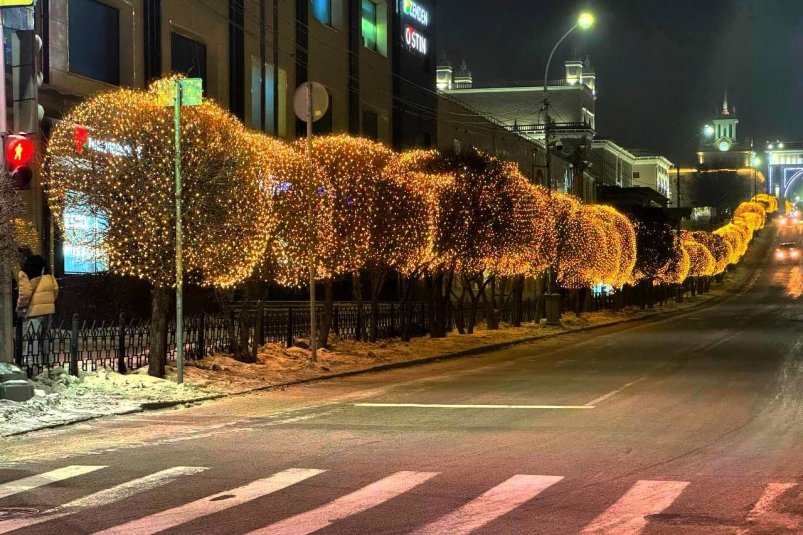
<point>322,10</point>
<point>81,249</point>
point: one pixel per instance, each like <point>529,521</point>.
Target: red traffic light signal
<point>19,151</point>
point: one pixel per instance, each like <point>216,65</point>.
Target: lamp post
<point>755,163</point>
<point>708,131</point>
<point>584,22</point>
<point>552,298</point>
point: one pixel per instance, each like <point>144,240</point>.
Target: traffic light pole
<point>6,306</point>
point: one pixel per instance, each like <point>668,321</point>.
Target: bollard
<point>121,367</point>
<point>74,346</point>
<point>552,305</point>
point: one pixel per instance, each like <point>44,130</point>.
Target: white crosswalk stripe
<point>40,480</point>
<point>104,497</point>
<point>498,501</point>
<point>351,504</point>
<point>628,516</point>
<point>211,504</point>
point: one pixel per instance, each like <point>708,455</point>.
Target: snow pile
<point>61,398</point>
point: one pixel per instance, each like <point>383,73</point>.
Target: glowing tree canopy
<point>349,170</point>
<point>112,158</point>
<point>769,202</point>
<point>302,203</point>
<point>701,262</point>
<point>718,246</point>
<point>655,245</point>
<point>677,269</point>
<point>485,217</point>
<point>756,209</point>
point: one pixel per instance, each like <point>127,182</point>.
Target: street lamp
<point>755,164</point>
<point>584,22</point>
<point>707,132</point>
<point>552,299</point>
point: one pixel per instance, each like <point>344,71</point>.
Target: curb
<point>654,316</point>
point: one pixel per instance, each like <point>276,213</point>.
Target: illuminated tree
<point>718,246</point>
<point>424,171</point>
<point>351,168</point>
<point>112,157</point>
<point>485,225</point>
<point>758,211</point>
<point>769,202</point>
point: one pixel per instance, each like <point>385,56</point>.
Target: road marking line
<point>609,395</point>
<point>441,406</point>
<point>351,504</point>
<point>764,512</point>
<point>104,497</point>
<point>628,516</point>
<point>211,504</point>
<point>40,480</point>
<point>493,504</point>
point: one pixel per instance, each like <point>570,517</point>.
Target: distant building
<point>520,106</point>
<point>651,170</point>
<point>611,164</point>
<point>725,149</point>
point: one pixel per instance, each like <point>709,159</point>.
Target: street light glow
<point>756,161</point>
<point>585,21</point>
<point>708,130</point>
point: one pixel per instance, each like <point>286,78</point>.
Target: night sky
<point>662,65</point>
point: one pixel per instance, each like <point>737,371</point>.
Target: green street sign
<point>192,91</point>
<point>17,3</point>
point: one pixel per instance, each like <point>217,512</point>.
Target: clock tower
<point>724,149</point>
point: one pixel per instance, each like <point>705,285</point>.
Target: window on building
<point>94,40</point>
<point>272,91</point>
<point>322,11</point>
<point>370,124</point>
<point>636,174</point>
<point>375,26</point>
<point>187,56</point>
<point>369,30</point>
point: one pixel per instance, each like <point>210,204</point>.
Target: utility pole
<point>179,240</point>
<point>6,306</point>
<point>313,309</point>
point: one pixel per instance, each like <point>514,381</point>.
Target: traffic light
<point>19,152</point>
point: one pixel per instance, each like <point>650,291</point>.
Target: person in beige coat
<point>38,291</point>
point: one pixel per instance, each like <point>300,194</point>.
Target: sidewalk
<point>62,399</point>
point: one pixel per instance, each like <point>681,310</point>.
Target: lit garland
<point>123,173</point>
<point>701,261</point>
<point>349,170</point>
<point>26,234</point>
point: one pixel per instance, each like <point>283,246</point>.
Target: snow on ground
<point>61,398</point>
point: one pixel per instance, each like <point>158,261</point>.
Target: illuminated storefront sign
<point>415,40</point>
<point>416,11</point>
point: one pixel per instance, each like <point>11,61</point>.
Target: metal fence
<point>81,344</point>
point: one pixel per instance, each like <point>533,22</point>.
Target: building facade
<point>651,170</point>
<point>375,58</point>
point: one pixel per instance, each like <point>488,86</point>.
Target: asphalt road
<point>692,424</point>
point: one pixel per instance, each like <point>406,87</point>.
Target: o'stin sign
<point>415,40</point>
<point>416,11</point>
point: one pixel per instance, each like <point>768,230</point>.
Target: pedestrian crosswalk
<point>630,514</point>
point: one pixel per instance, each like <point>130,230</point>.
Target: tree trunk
<point>406,309</point>
<point>489,298</point>
<point>328,313</point>
<point>518,301</point>
<point>357,289</point>
<point>377,281</point>
<point>242,352</point>
<point>540,304</point>
<point>157,356</point>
